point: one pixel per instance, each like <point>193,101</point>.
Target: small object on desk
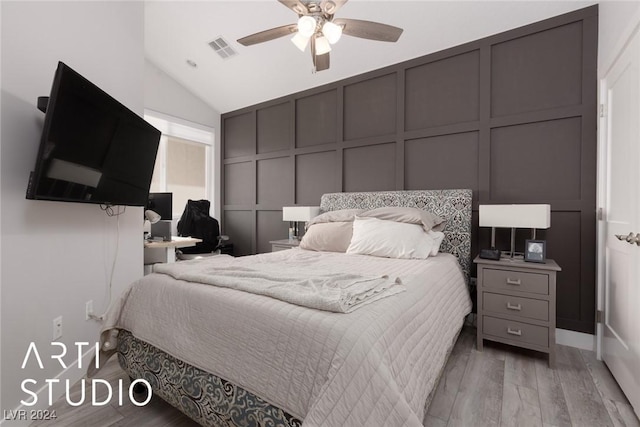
<point>162,230</point>
<point>284,244</point>
<point>517,304</point>
<point>492,253</point>
<point>535,250</point>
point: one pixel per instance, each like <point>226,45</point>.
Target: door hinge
<point>603,110</point>
<point>599,316</point>
<point>600,214</point>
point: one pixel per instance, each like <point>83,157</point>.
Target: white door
<point>621,326</point>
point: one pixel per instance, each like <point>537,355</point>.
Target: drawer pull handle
<point>517,332</point>
<point>516,307</point>
<point>511,281</point>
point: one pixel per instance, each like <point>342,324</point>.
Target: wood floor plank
<point>448,386</point>
<point>430,421</point>
<point>621,414</point>
<point>552,402</point>
<point>479,399</point>
<point>496,350</point>
<point>83,416</point>
<point>607,386</point>
<point>616,403</point>
<point>520,406</point>
<point>449,382</point>
<point>466,341</point>
<point>520,369</point>
<point>583,399</point>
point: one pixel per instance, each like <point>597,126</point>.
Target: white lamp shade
<point>300,41</point>
<point>300,213</point>
<point>515,216</point>
<point>332,32</point>
<point>152,216</point>
<point>306,26</point>
<point>322,45</point>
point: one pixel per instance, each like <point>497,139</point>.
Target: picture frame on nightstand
<point>535,251</point>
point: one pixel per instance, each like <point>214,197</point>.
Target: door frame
<point>602,144</point>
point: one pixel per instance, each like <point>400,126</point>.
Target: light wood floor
<point>501,386</point>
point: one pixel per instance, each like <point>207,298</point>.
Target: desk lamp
<point>150,217</point>
<point>296,214</point>
<point>514,216</point>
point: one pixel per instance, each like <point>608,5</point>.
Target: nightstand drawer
<point>515,306</point>
<point>516,331</point>
<point>283,244</point>
<point>516,281</point>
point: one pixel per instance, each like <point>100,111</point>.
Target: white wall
<point>615,23</point>
<point>56,256</point>
<point>165,95</point>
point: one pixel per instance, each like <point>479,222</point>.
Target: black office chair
<point>196,222</point>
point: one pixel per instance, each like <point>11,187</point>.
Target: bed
<point>226,357</point>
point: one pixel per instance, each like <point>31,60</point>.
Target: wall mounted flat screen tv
<point>93,149</point>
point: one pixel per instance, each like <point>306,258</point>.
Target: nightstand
<point>282,245</point>
<point>517,304</point>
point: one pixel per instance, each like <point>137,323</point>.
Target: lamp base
<point>512,255</point>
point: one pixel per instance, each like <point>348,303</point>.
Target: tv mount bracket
<point>43,102</point>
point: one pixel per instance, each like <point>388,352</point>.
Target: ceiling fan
<point>317,27</point>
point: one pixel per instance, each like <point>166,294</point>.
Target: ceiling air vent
<point>222,48</point>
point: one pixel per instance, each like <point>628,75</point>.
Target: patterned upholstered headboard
<point>452,205</point>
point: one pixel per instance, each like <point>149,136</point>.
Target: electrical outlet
<point>57,327</point>
<point>88,309</point>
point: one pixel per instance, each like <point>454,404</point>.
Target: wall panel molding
<point>511,116</point>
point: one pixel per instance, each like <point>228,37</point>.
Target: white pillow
<point>372,236</point>
<point>438,237</point>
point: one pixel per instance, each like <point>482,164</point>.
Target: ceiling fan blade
<point>265,36</point>
<point>295,5</point>
<point>369,30</point>
<point>330,7</point>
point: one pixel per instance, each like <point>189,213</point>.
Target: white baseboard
<point>71,374</point>
<point>576,339</point>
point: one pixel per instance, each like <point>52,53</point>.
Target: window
<point>184,162</point>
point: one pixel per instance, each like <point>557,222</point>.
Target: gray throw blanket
<point>297,284</point>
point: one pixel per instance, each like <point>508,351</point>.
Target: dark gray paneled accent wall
<point>511,116</point>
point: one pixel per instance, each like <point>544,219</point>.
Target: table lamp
<point>514,216</point>
<point>296,214</point>
<point>150,217</point>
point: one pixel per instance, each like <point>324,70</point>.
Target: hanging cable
<point>111,212</point>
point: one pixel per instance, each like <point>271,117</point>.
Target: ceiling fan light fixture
<point>300,41</point>
<point>322,45</point>
<point>332,32</point>
<point>306,26</point>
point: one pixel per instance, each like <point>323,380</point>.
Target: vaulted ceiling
<point>180,31</point>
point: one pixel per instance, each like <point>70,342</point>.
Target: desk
<point>161,251</point>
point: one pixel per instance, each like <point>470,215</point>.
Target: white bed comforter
<point>372,367</point>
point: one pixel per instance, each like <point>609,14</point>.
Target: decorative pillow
<point>342,215</point>
<point>408,215</point>
<point>328,237</point>
<point>391,239</point>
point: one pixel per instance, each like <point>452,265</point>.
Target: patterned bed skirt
<point>203,397</point>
